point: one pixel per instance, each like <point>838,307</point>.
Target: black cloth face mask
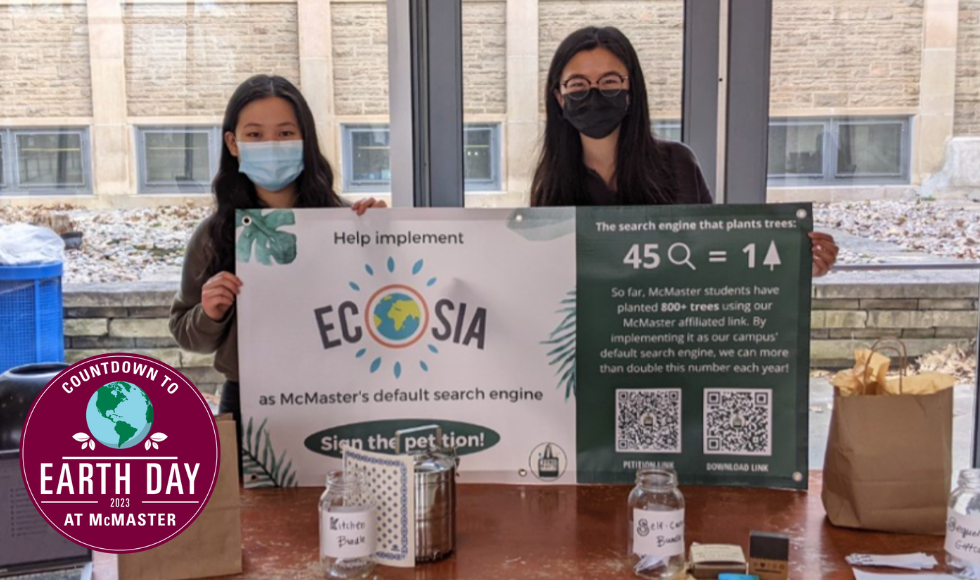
<point>596,115</point>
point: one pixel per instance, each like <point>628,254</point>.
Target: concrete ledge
<point>841,193</point>
<point>840,353</point>
<point>898,285</point>
<point>130,294</point>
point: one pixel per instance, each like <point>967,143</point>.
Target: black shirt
<point>690,187</point>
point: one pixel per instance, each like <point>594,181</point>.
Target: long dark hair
<point>233,190</point>
<point>642,175</point>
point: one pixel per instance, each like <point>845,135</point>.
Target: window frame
<point>495,183</point>
<point>830,176</point>
<point>11,183</point>
<point>904,146</point>
<point>143,186</point>
<point>826,165</point>
<point>481,186</point>
<point>347,131</point>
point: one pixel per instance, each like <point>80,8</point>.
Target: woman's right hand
<point>218,294</point>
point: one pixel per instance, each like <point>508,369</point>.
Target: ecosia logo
<point>404,319</point>
<point>120,453</point>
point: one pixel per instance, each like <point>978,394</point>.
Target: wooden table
<point>559,532</point>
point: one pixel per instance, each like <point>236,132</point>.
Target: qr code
<point>648,420</point>
<point>738,422</point>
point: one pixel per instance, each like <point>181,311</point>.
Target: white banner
<point>351,328</point>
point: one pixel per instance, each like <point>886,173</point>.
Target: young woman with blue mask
<point>270,158</point>
<point>598,146</point>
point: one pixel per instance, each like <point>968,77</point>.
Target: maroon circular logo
<point>120,453</point>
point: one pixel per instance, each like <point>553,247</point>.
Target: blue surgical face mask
<point>271,165</point>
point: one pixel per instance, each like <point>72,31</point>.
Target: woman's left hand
<point>360,206</point>
<point>824,253</point>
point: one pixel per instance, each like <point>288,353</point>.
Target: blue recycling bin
<point>31,315</point>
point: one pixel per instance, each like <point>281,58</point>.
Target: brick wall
<point>831,53</point>
<point>44,61</point>
<point>360,58</point>
<point>967,119</point>
<point>187,59</point>
<point>846,53</point>
<point>360,53</point>
<point>484,57</point>
<point>654,27</point>
<point>926,317</point>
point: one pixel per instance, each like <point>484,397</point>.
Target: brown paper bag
<point>212,545</point>
<point>889,462</point>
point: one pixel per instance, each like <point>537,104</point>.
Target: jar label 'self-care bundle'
<point>348,533</point>
<point>658,533</point>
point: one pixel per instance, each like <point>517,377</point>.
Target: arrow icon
<point>772,257</point>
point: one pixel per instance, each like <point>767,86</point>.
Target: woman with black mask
<point>599,148</point>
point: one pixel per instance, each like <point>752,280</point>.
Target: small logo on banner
<point>120,453</point>
<point>548,461</point>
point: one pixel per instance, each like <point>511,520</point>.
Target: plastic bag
<point>22,244</point>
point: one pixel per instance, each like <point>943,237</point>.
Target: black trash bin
<point>19,387</point>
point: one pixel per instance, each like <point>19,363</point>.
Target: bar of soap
<point>712,560</point>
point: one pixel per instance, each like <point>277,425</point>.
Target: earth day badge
<point>120,453</point>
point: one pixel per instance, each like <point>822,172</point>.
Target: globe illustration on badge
<point>119,415</point>
<point>397,317</point>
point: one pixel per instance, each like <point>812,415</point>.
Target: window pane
<point>177,157</point>
<point>478,155</point>
<point>669,130</point>
<point>869,150</point>
<point>52,160</point>
<point>3,176</point>
<point>796,150</point>
<point>371,157</point>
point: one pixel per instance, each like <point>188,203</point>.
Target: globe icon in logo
<point>397,317</point>
<point>119,415</point>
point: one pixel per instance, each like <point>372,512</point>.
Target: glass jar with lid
<point>963,526</point>
<point>348,528</point>
<point>656,516</point>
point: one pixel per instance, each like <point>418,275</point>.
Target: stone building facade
<point>112,70</point>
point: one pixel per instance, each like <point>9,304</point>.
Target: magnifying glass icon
<point>685,252</point>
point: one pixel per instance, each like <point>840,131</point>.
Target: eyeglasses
<point>610,85</point>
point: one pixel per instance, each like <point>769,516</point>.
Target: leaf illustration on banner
<point>562,339</point>
<point>260,465</point>
<point>261,231</point>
